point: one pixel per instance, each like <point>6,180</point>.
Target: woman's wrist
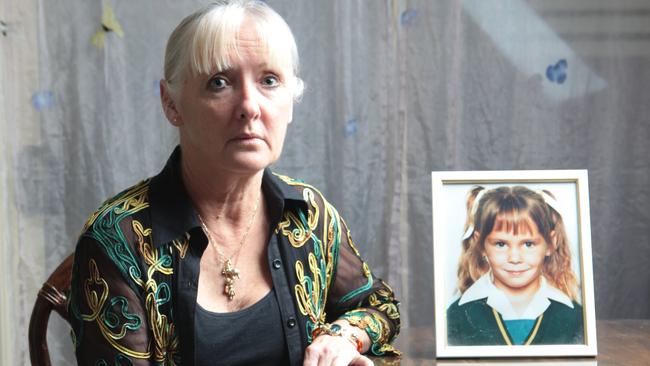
<point>339,330</point>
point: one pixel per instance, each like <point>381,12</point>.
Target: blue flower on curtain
<point>351,127</point>
<point>557,73</point>
<point>43,99</point>
<point>408,17</point>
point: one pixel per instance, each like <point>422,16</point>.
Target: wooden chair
<point>52,296</point>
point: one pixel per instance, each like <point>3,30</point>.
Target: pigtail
<point>470,265</point>
<point>557,267</point>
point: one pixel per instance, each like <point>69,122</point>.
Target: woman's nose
<point>249,107</point>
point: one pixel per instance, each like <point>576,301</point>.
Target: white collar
<point>484,288</point>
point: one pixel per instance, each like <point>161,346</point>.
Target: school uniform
<point>483,315</point>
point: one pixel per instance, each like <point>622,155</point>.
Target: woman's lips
<point>247,137</point>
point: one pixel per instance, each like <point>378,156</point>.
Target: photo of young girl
<point>516,285</point>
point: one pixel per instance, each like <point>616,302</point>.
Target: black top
<point>252,336</point>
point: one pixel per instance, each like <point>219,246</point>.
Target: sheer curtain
<point>395,89</point>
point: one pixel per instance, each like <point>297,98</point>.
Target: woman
<point>216,260</point>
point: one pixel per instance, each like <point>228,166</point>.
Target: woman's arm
<point>362,313</point>
<point>362,300</point>
<point>109,323</point>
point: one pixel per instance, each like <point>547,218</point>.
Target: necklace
<point>229,271</point>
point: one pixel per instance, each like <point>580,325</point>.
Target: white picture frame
<point>450,190</point>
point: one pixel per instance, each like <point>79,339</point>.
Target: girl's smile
<point>516,259</point>
<point>516,273</point>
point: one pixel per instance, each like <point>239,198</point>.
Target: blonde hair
<point>205,41</point>
<point>514,209</point>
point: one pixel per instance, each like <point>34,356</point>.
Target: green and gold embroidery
<point>131,200</point>
<point>313,284</point>
<point>111,315</point>
<point>362,289</point>
<point>165,340</point>
<point>366,271</point>
<point>103,226</point>
<point>384,300</point>
<point>295,228</point>
<point>182,246</point>
<point>148,271</point>
<point>311,288</point>
<point>104,317</point>
<point>94,300</point>
<point>377,328</point>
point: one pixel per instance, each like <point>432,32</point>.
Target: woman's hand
<point>330,350</point>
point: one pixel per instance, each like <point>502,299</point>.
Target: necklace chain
<point>229,271</point>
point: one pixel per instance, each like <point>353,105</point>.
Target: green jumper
<point>476,323</point>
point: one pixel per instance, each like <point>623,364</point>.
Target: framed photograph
<point>512,264</point>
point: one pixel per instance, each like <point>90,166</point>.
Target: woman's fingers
<point>333,351</point>
<point>361,360</point>
<point>318,354</point>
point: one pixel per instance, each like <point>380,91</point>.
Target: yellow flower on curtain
<point>109,24</point>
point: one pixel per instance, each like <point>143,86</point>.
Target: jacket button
<point>291,322</point>
<point>277,264</point>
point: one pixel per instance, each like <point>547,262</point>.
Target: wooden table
<point>620,343</point>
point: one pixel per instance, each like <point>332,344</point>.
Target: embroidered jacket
<point>136,268</point>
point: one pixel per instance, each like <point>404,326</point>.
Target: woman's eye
<point>217,83</point>
<point>270,81</point>
<point>529,244</point>
<point>500,244</point>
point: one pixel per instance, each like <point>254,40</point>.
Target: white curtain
<point>395,89</point>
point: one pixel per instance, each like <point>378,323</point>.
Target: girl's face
<point>517,259</point>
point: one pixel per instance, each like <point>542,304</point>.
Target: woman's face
<point>236,120</point>
<point>517,260</point>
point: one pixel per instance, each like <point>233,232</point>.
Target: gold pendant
<point>229,273</point>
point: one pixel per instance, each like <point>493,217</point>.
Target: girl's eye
<point>217,83</point>
<point>270,81</point>
<point>529,244</point>
<point>500,244</point>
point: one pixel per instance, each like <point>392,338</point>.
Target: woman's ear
<point>290,116</point>
<point>169,105</point>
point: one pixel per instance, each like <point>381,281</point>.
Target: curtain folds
<point>394,90</point>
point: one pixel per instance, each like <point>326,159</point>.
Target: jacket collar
<point>172,212</point>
